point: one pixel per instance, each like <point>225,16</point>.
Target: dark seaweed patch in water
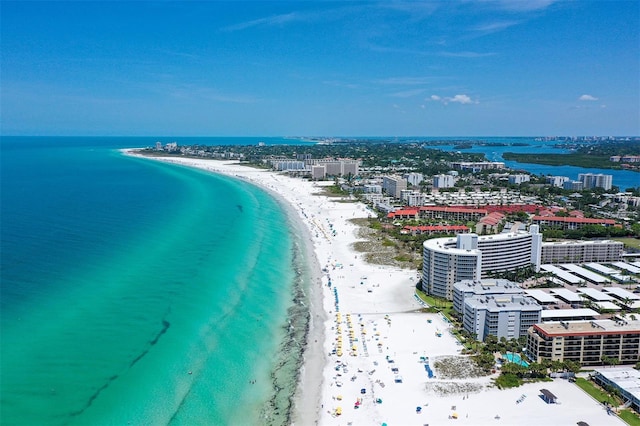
<point>286,371</point>
<point>94,396</point>
<point>165,326</point>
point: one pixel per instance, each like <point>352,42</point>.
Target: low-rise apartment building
<point>586,342</point>
<point>581,251</point>
<point>507,315</point>
<point>477,165</point>
<point>569,223</point>
<point>452,213</point>
<point>488,287</point>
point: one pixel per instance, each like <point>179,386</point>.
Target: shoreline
<point>306,400</point>
<point>385,337</point>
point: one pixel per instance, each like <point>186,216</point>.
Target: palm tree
<point>557,365</point>
<point>537,370</point>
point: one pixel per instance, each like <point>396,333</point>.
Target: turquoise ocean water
<point>139,292</point>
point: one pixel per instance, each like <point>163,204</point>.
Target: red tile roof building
<point>403,214</point>
<point>490,223</point>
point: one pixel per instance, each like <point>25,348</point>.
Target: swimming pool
<point>515,358</point>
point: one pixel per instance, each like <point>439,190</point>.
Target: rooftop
<point>626,378</point>
<point>574,219</point>
<point>595,327</point>
<point>548,314</point>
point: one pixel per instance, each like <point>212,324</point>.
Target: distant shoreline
<point>576,160</point>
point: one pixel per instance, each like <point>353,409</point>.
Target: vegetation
<point>587,231</point>
<point>608,396</point>
<point>517,275</point>
<point>378,248</point>
<point>334,191</point>
<point>630,417</point>
<point>508,380</point>
<point>588,155</point>
<point>580,160</point>
<point>596,393</point>
<point>633,243</point>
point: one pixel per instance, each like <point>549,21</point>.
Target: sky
<point>320,68</point>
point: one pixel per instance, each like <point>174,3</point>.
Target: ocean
<point>137,292</point>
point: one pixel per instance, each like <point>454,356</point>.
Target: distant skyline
<point>320,68</point>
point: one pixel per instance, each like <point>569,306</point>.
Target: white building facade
<point>414,178</point>
<point>518,179</point>
<point>393,185</point>
<point>582,251</point>
<point>444,181</point>
<point>470,257</point>
<point>592,180</point>
<point>508,316</point>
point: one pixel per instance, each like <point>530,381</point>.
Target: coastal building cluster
<point>487,241</point>
<point>503,308</point>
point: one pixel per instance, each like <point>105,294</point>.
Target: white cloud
<point>495,26</point>
<point>459,99</point>
<point>268,21</point>
<point>463,99</point>
<point>587,98</point>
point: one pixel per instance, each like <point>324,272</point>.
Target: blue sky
<point>463,68</point>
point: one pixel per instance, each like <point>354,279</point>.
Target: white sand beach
<point>384,341</point>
